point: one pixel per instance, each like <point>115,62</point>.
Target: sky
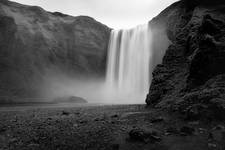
<point>117,14</point>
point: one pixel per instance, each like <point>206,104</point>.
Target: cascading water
<point>128,66</point>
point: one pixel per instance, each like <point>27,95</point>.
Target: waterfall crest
<point>128,65</point>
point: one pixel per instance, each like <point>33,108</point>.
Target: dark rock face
<point>34,42</point>
<point>191,77</point>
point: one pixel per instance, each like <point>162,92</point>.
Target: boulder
<point>186,130</point>
<point>143,135</point>
<point>70,99</point>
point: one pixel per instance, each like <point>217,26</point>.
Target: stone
<point>65,113</point>
<point>69,99</point>
<point>157,119</point>
<point>187,130</point>
<point>97,119</point>
<point>212,145</point>
<point>219,127</point>
<point>142,135</point>
<point>172,130</point>
<point>2,129</point>
<point>83,121</point>
<point>115,116</point>
<point>202,130</point>
<point>193,123</point>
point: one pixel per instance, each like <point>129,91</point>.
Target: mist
<point>57,85</point>
<point>94,90</point>
<point>98,90</point>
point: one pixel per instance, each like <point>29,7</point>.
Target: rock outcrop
<point>34,42</point>
<point>70,99</point>
<point>191,78</point>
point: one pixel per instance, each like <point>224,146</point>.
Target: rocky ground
<point>115,127</point>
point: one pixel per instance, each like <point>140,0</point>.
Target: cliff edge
<point>191,78</point>
<point>35,43</point>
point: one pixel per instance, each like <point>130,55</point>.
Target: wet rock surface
<point>190,79</point>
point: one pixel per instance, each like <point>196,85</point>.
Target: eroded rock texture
<point>192,75</point>
<point>34,43</point>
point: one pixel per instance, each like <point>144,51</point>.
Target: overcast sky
<point>116,14</point>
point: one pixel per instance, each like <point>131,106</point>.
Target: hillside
<point>36,44</point>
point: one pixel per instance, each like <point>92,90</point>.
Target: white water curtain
<point>128,66</point>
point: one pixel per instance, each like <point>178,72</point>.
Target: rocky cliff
<point>35,43</point>
<point>191,78</point>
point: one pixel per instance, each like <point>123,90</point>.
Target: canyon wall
<point>191,78</point>
<point>36,44</point>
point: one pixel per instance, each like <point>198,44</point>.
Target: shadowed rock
<point>191,76</point>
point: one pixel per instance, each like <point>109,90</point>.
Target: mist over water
<point>128,66</point>
<point>132,57</point>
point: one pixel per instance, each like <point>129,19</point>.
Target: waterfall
<point>128,66</point>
